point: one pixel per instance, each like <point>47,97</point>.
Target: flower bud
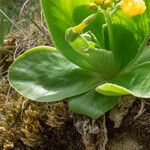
<point>104,4</point>
<point>133,7</point>
<point>71,35</point>
<point>92,7</point>
<point>79,28</point>
<point>98,2</point>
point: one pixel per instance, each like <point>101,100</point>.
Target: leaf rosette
<point>98,59</point>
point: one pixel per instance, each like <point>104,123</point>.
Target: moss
<point>33,125</point>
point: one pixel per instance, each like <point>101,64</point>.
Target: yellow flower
<point>133,7</point>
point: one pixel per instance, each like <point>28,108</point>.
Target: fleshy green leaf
<point>142,57</point>
<point>60,17</point>
<point>111,89</point>
<point>135,81</point>
<point>143,54</point>
<point>125,45</point>
<point>92,104</point>
<point>42,74</point>
<point>103,61</point>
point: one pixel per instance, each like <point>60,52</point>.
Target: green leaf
<point>42,74</point>
<point>112,89</point>
<point>143,54</point>
<point>125,45</point>
<point>103,61</point>
<point>92,104</point>
<point>134,81</point>
<point>142,57</point>
<point>60,17</point>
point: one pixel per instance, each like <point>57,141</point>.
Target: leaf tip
<point>112,90</point>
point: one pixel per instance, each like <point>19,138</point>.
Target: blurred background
<point>21,28</point>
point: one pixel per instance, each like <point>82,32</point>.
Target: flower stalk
<point>110,31</point>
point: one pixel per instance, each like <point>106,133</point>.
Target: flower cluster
<point>133,7</point>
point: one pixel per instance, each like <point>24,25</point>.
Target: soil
<point>133,134</point>
<point>27,125</point>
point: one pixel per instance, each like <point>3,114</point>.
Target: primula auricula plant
<point>102,53</point>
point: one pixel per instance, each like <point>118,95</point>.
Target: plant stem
<point>110,32</point>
